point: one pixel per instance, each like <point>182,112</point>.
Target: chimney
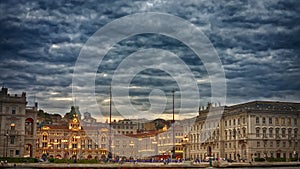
<point>4,90</point>
<point>36,106</point>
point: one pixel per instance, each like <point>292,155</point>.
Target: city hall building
<point>258,129</point>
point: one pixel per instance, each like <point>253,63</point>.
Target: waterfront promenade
<point>151,165</point>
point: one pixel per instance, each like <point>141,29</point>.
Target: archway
<point>28,150</point>
<point>209,151</point>
<point>244,152</point>
<point>89,157</point>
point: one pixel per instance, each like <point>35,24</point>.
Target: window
<point>271,143</point>
<point>233,121</point>
<point>44,144</point>
<point>276,121</point>
<point>270,120</point>
<point>239,121</point>
<point>277,132</point>
<point>283,132</point>
<point>264,120</point>
<point>265,143</point>
<point>282,121</point>
<point>257,132</point>
<point>225,123</point>
<point>277,143</point>
<point>258,144</point>
<point>244,120</point>
<point>289,121</point>
<point>295,121</point>
<point>295,133</point>
<point>270,132</point>
<point>229,122</point>
<point>264,133</point>
<point>12,140</point>
<point>283,144</point>
<point>257,120</point>
<point>74,145</point>
<point>13,110</point>
<point>103,138</point>
<point>44,137</point>
<point>244,132</point>
<point>289,133</point>
<point>17,152</point>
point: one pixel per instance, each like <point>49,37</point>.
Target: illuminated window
<point>289,121</point>
<point>276,121</point>
<point>45,137</point>
<point>282,121</point>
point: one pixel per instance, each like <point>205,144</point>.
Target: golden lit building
<point>72,140</point>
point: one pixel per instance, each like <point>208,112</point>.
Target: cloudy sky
<point>257,42</point>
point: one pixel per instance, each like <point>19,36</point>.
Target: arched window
<point>45,136</point>
<point>103,138</point>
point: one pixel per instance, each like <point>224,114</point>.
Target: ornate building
<point>70,139</point>
<point>17,125</point>
<point>258,129</point>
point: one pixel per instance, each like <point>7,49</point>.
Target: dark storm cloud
<point>257,41</point>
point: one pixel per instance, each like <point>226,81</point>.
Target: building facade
<point>71,139</point>
<point>17,125</point>
<point>258,129</point>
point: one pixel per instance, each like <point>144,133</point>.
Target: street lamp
<point>110,111</point>
<point>234,135</point>
<point>6,148</point>
<point>265,139</point>
<point>173,121</point>
<point>184,144</point>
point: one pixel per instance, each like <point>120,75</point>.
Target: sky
<point>42,42</point>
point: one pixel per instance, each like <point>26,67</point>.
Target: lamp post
<point>185,140</point>
<point>173,121</point>
<point>6,148</point>
<point>109,144</point>
<point>234,136</point>
<point>265,145</point>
